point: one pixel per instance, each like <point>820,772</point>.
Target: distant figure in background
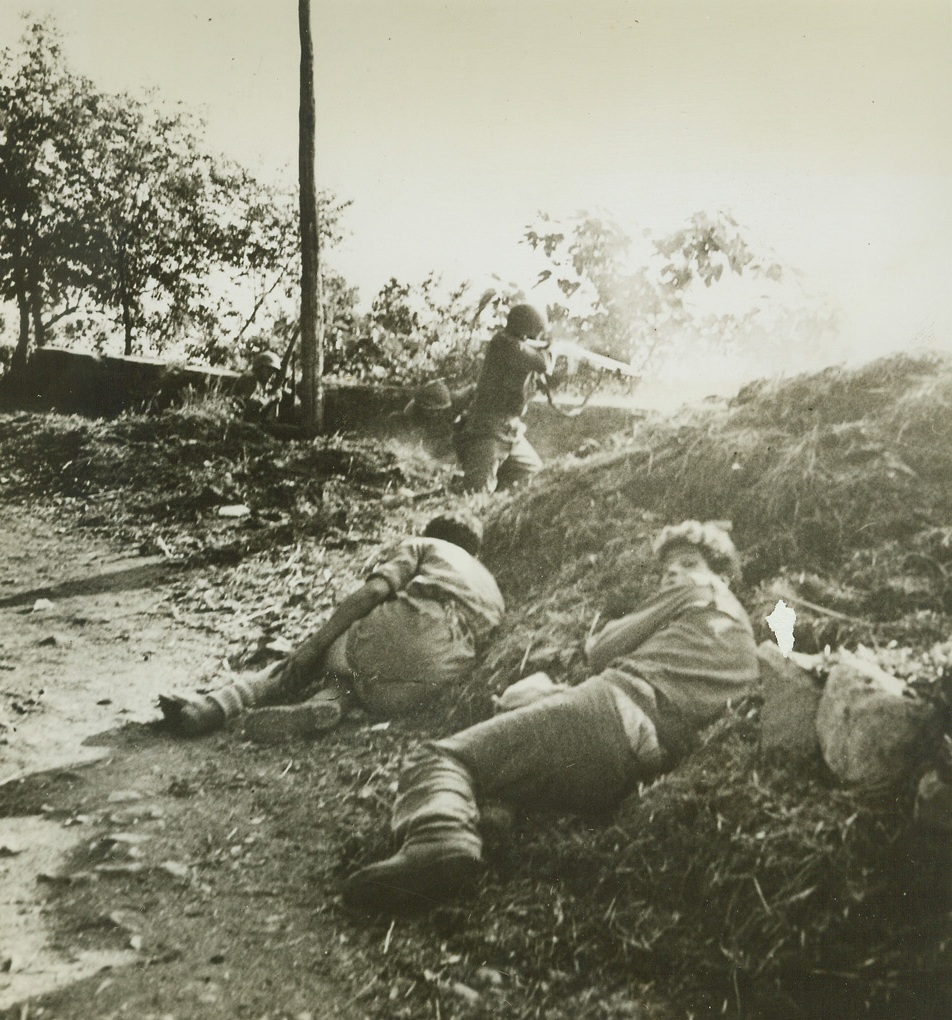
<point>263,393</point>
<point>414,628</point>
<point>492,446</point>
<point>434,410</point>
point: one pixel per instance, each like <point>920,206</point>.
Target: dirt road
<point>86,641</point>
<point>118,844</point>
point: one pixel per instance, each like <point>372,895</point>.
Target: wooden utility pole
<point>312,298</point>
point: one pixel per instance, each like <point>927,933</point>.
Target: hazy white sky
<point>825,127</point>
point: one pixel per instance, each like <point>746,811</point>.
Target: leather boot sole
<point>412,879</point>
<point>276,724</point>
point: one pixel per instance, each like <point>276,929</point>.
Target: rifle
<point>575,352</point>
<point>286,358</point>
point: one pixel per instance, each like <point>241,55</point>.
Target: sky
<point>824,127</point>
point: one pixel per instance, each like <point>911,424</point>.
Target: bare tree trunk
<point>36,314</point>
<point>127,326</point>
<point>21,354</point>
<point>312,304</point>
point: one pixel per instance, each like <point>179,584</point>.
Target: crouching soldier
<point>414,629</point>
<point>664,672</point>
<point>492,446</point>
<point>263,393</point>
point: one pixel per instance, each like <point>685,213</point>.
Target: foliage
<point>113,216</point>
<point>264,265</point>
<point>836,483</point>
<point>736,885</point>
<point>649,306</point>
<point>411,334</point>
<point>45,120</point>
<point>159,480</point>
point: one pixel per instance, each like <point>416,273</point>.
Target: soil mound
<point>837,485</point>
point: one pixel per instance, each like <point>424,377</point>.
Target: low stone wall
<point>104,386</point>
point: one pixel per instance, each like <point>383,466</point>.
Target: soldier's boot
<point>193,717</point>
<point>278,723</point>
<point>435,822</point>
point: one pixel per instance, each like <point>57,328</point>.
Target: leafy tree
<point>159,213</point>
<point>268,269</point>
<point>413,333</point>
<point>113,217</point>
<point>645,311</point>
<point>45,120</point>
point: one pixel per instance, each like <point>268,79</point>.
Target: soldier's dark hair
<point>461,527</point>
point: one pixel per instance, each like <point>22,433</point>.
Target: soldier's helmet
<point>526,321</point>
<point>265,362</point>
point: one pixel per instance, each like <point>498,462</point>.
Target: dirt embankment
<point>211,868</point>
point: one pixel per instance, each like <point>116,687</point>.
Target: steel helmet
<point>526,321</point>
<point>265,359</point>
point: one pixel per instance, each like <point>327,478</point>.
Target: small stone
<point>464,992</point>
<point>125,838</point>
<point>490,976</point>
<point>280,646</point>
<point>55,641</point>
<point>119,870</point>
<point>77,878</point>
<point>175,869</point>
<point>934,802</point>
<point>124,796</point>
<point>41,605</point>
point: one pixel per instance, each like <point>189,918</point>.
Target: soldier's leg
<point>282,681</point>
<point>567,751</point>
<point>480,458</point>
<point>519,468</point>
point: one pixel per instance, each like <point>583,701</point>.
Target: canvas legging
<point>568,752</point>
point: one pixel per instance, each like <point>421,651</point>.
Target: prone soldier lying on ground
<point>414,629</point>
<point>664,672</point>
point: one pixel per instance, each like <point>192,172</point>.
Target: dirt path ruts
<point>85,645</point>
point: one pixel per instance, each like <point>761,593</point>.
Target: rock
<point>934,802</point>
<point>55,641</point>
<point>124,796</point>
<point>175,869</point>
<point>280,646</point>
<point>119,870</point>
<point>469,995</point>
<point>791,699</point>
<point>490,977</point>
<point>872,731</point>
